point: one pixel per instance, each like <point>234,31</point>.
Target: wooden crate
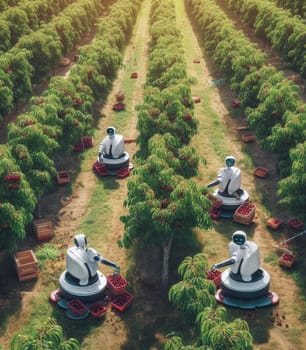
<point>62,177</point>
<point>26,265</point>
<point>274,223</point>
<point>245,213</point>
<point>261,172</point>
<point>43,229</point>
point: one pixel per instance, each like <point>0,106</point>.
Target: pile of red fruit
<point>287,259</point>
<point>245,209</point>
<point>76,306</point>
<point>122,301</point>
<point>116,283</point>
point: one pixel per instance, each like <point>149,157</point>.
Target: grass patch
<point>271,258</point>
<point>46,252</point>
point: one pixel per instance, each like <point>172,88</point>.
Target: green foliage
<point>5,35</point>
<point>195,291</point>
<point>275,100</point>
<point>45,46</point>
<point>286,33</point>
<point>47,252</point>
<point>292,188</point>
<point>194,297</point>
<point>44,335</point>
<point>18,23</point>
<point>17,201</point>
<point>6,93</point>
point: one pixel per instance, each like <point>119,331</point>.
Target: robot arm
<point>226,262</point>
<point>110,263</point>
<point>214,183</point>
<point>94,256</point>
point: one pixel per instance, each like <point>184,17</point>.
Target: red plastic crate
<point>79,147</point>
<point>122,173</point>
<point>77,307</point>
<point>100,169</point>
<point>216,201</point>
<point>87,141</point>
<point>134,75</point>
<point>119,106</point>
<point>214,213</point>
<point>62,177</point>
<point>296,224</point>
<point>122,301</point>
<point>215,276</point>
<point>97,309</point>
<point>287,259</point>
<point>116,283</point>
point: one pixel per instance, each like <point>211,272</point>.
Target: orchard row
<point>25,17</point>
<point>271,101</point>
<point>164,203</point>
<point>34,55</point>
<point>56,121</point>
<point>285,32</point>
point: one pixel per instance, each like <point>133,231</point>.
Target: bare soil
<point>150,313</point>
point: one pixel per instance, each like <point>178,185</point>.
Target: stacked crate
<point>26,265</point>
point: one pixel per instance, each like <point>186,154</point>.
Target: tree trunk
<point>166,256</point>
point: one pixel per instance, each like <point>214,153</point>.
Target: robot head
<point>230,161</point>
<point>111,131</point>
<point>80,240</point>
<point>239,237</point>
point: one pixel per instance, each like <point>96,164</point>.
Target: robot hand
<point>100,157</point>
<point>116,270</point>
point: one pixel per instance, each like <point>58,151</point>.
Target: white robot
<point>244,260</point>
<point>82,279</point>
<point>244,284</point>
<point>111,151</point>
<point>229,181</point>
